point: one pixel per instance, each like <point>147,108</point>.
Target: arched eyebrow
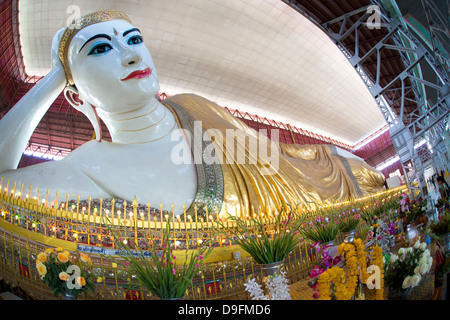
<point>95,37</point>
<point>131,30</point>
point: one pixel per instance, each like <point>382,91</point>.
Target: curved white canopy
<point>259,56</point>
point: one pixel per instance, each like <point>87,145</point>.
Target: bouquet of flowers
<point>417,209</point>
<point>405,270</point>
<point>274,288</point>
<point>322,230</point>
<point>348,221</point>
<point>62,274</point>
<point>438,229</point>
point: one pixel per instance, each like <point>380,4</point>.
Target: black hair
<point>442,179</point>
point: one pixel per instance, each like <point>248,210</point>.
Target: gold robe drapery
<point>305,174</point>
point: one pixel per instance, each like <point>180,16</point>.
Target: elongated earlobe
<point>72,95</point>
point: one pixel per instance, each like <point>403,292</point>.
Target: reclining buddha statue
<point>185,150</point>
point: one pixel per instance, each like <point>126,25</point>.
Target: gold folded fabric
<point>304,174</point>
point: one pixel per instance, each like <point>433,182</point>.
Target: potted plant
<point>348,222</point>
<point>161,274</point>
<point>268,245</point>
<point>65,275</point>
<point>323,230</point>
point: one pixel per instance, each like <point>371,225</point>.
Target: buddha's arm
<point>18,124</point>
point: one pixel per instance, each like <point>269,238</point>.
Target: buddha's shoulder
<point>90,149</point>
<point>200,108</point>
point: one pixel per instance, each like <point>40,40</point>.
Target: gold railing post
<point>173,227</point>
<point>161,215</point>
<point>89,221</point>
<point>135,205</point>
<point>149,213</point>
<point>113,202</point>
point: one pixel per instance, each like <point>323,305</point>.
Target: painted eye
<point>135,40</point>
<point>100,48</point>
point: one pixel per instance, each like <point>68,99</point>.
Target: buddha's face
<point>112,68</point>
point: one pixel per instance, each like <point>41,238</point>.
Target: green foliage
<point>441,227</point>
<point>263,244</point>
<point>160,273</point>
<point>321,231</point>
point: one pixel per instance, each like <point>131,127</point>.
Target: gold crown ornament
<point>77,25</point>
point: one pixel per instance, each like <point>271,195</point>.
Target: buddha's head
<point>107,65</point>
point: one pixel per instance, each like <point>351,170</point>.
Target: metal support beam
<point>407,127</point>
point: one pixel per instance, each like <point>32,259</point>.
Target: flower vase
<point>332,249</point>
<point>328,244</point>
<point>349,236</point>
<point>405,295</point>
<point>271,269</point>
<point>174,299</point>
<point>68,296</point>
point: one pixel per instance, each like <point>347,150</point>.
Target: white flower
<point>423,268</point>
<point>415,280</point>
<point>254,289</point>
<point>417,245</point>
<point>417,269</point>
<point>393,258</point>
<point>402,254</point>
<point>408,250</point>
<point>406,282</point>
<point>430,260</point>
<point>423,246</point>
<point>278,287</point>
<point>426,253</point>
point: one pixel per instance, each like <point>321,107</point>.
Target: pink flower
<point>173,271</point>
<point>200,258</point>
<point>196,266</point>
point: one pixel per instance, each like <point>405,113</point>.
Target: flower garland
<point>356,259</point>
<point>377,260</point>
<point>349,251</point>
<point>362,259</point>
<point>334,277</point>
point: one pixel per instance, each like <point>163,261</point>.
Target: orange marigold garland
<point>377,259</point>
<point>335,282</point>
<point>362,259</point>
<point>333,278</point>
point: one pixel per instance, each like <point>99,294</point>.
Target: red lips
<point>139,74</point>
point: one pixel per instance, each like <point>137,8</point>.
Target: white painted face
<point>112,68</point>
